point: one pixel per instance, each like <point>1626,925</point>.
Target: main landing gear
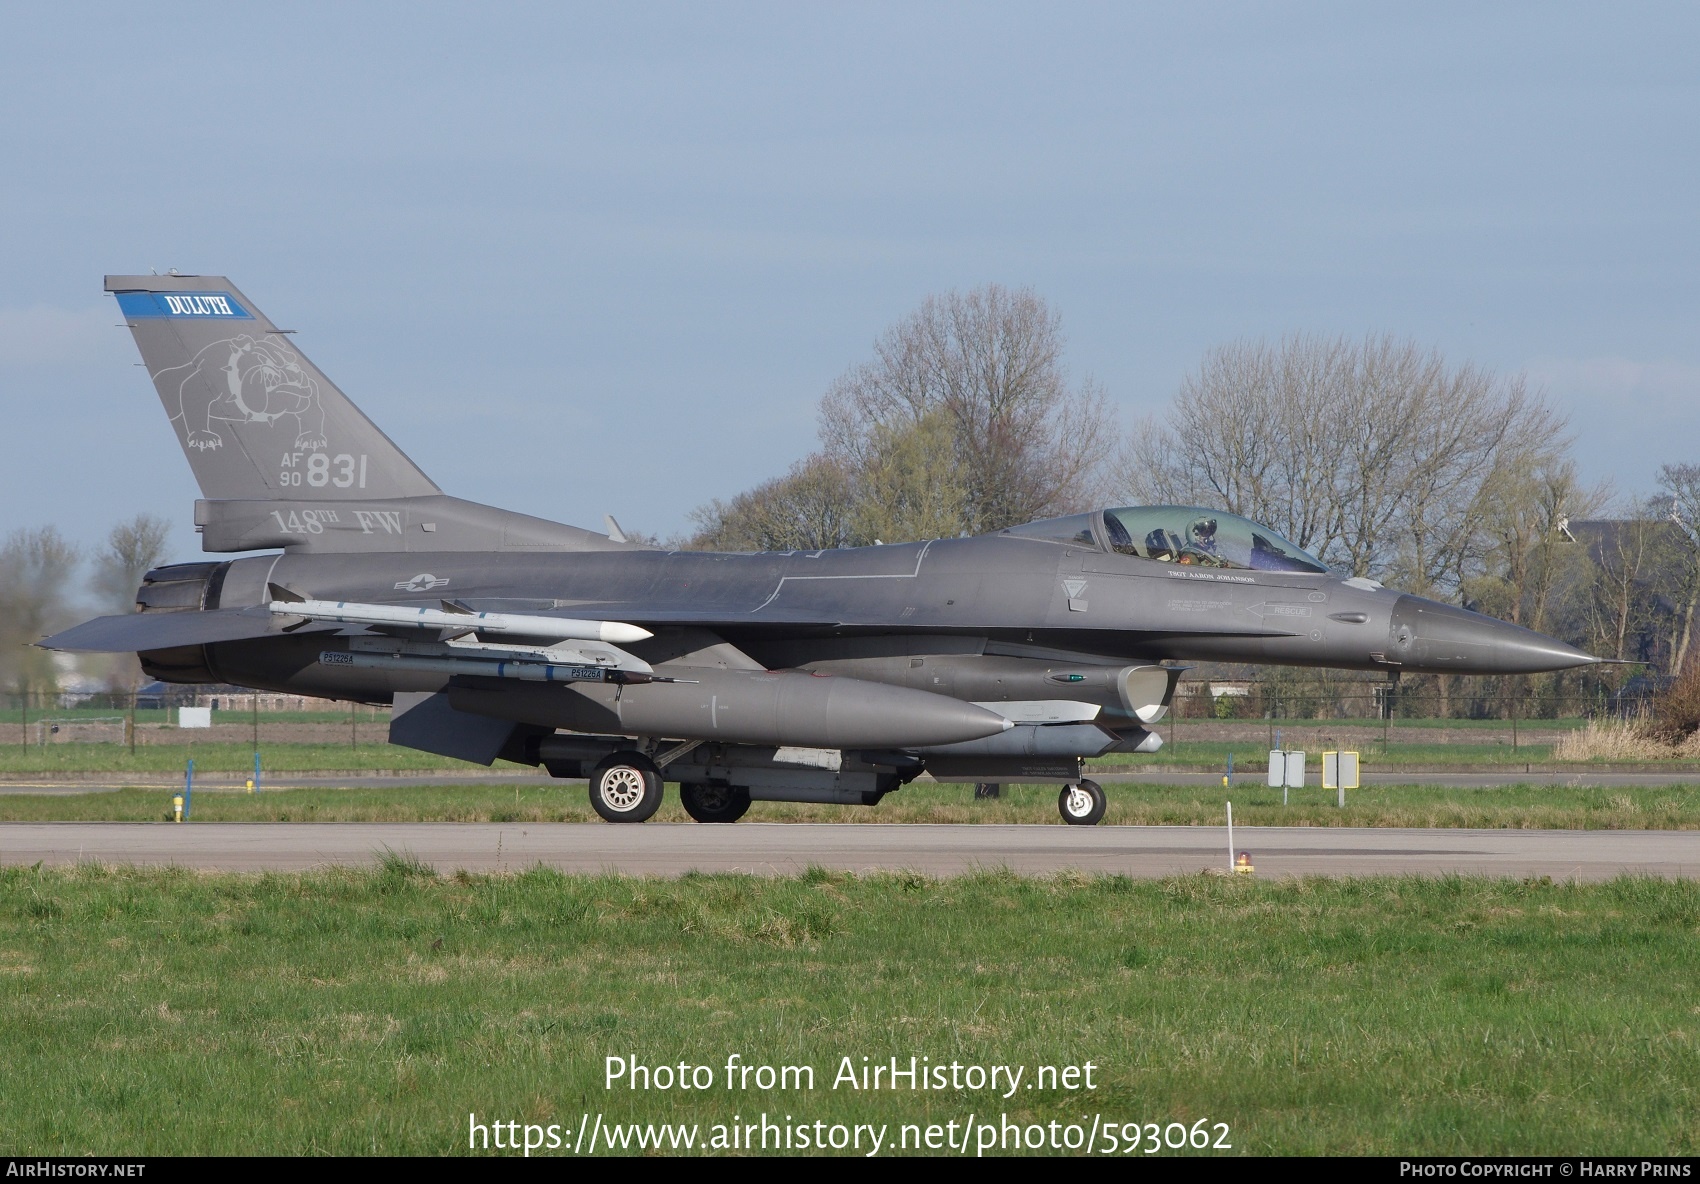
<point>714,801</point>
<point>625,787</point>
<point>1082,804</point>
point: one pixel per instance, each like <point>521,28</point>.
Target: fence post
<point>1513,721</point>
<point>24,719</point>
<point>1389,699</point>
<point>130,724</point>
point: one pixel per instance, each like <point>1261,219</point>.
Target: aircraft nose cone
<point>1432,637</point>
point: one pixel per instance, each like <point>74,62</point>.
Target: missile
<point>565,661</point>
<point>523,670</point>
<point>501,624</point>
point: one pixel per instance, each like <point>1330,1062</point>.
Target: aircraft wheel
<point>1083,804</point>
<point>714,801</point>
<point>625,787</point>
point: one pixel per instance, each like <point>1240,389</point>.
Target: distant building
<point>223,697</point>
<point>1214,687</point>
<point>240,700</point>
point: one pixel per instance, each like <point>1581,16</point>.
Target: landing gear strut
<point>1082,804</point>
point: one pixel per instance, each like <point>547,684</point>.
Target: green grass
<point>150,717</point>
<point>147,717</point>
<point>73,760</point>
<point>1458,755</point>
<point>165,1012</point>
<point>1419,723</point>
<point>1415,744</point>
<point>1530,806</point>
<point>372,753</point>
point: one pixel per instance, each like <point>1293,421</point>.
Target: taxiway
<point>787,848</point>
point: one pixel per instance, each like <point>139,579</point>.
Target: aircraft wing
<point>135,632</point>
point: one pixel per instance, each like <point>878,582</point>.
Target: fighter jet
<point>808,676</point>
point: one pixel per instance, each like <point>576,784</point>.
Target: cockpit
<point>1185,535</point>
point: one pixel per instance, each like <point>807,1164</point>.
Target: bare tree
<point>1679,500</point>
<point>36,567</point>
<point>912,485</point>
<point>964,422</point>
<point>808,509</point>
<point>132,549</point>
<point>1372,454</point>
<point>988,363</point>
<point>1527,503</point>
<point>1627,556</point>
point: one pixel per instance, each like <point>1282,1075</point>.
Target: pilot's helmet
<point>1203,531</point>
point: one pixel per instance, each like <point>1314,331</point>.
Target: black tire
<point>1083,804</point>
<point>625,787</point>
<point>714,801</point>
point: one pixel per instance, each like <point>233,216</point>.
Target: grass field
<point>70,760</point>
<point>300,742</point>
<point>222,757</point>
<point>1530,806</point>
<point>164,1012</point>
<point>1419,749</point>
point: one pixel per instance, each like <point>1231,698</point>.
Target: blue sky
<point>588,260</point>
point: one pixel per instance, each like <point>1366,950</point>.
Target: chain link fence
<point>185,715</point>
<point>1476,699</point>
<point>1205,709</point>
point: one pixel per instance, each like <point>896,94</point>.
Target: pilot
<point>1202,535</point>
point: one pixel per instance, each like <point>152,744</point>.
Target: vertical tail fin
<point>256,419</point>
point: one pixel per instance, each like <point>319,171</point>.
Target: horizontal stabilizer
<point>134,633</point>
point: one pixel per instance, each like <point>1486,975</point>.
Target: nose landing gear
<point>1082,804</point>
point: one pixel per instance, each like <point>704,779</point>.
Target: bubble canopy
<point>1187,535</point>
